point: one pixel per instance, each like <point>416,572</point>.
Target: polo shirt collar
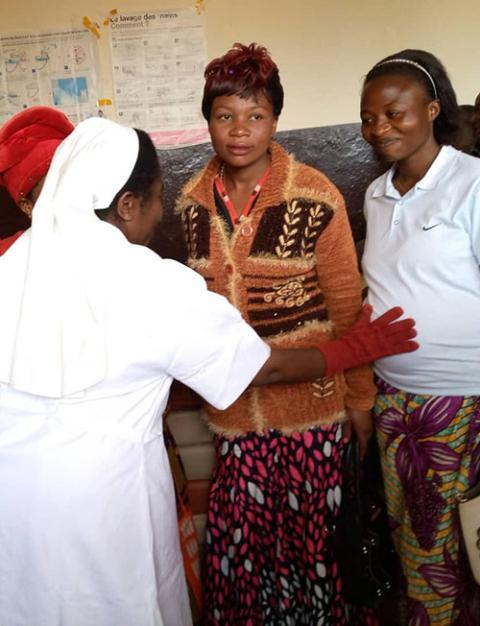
<point>435,172</point>
<point>384,185</point>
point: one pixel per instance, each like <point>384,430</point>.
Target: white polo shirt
<point>422,252</point>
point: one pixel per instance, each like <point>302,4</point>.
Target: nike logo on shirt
<point>430,227</point>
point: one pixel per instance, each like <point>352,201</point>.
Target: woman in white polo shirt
<point>423,251</point>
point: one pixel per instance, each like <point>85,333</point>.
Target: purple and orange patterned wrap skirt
<point>430,450</point>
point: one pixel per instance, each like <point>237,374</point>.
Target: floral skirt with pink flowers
<point>268,557</point>
<point>430,449</point>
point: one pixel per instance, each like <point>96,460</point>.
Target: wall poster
<point>158,61</point>
<point>55,68</point>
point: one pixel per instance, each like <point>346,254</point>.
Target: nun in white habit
<point>92,331</point>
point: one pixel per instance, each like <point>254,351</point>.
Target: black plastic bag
<point>361,538</point>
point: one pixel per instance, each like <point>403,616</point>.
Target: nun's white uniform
<point>92,331</point>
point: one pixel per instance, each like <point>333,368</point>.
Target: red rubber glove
<point>367,341</point>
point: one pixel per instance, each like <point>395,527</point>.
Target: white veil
<point>51,311</point>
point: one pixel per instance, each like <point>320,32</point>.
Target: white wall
<point>322,47</point>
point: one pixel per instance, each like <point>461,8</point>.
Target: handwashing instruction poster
<point>158,60</point>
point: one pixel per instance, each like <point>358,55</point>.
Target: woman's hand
<point>361,422</point>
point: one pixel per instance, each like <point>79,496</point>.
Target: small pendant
<point>246,230</point>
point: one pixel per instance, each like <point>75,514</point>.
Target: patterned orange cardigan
<point>290,268</point>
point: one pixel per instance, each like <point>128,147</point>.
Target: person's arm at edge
<point>296,365</point>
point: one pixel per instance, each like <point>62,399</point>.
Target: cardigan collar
<point>271,194</point>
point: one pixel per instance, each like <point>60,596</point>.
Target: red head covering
<point>27,144</point>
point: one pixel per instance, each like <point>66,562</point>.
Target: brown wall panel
<point>339,151</point>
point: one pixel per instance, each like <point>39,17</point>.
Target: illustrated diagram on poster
<point>158,62</point>
<point>57,68</point>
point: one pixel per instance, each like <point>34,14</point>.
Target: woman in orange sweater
<point>272,235</point>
